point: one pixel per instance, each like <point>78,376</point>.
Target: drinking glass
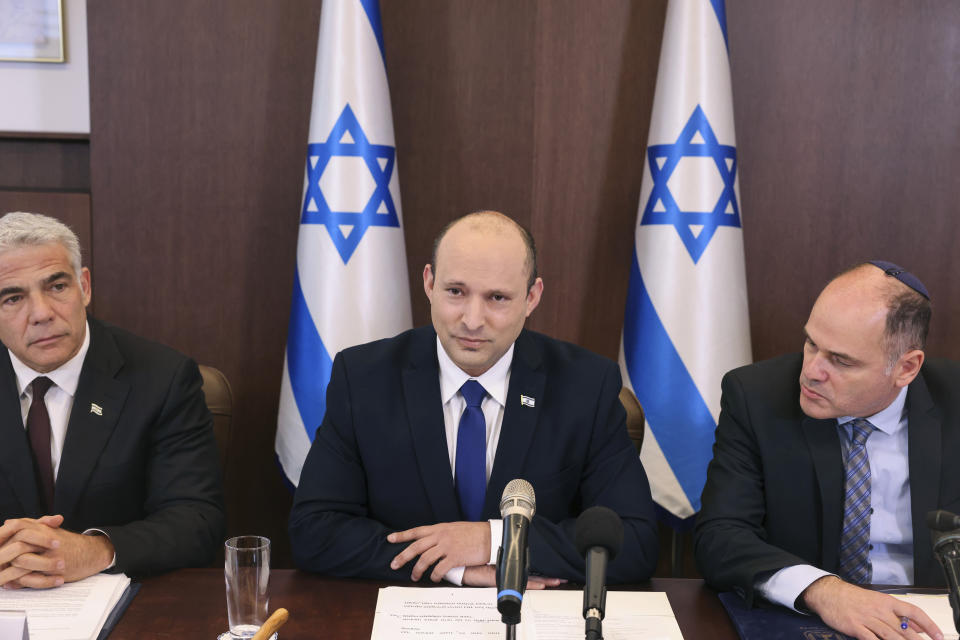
<point>246,570</point>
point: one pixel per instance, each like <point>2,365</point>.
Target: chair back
<point>636,423</point>
<point>219,396</point>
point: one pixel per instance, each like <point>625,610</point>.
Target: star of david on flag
<point>350,285</point>
<point>685,322</point>
<point>346,228</point>
<point>696,228</point>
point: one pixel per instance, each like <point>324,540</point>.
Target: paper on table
<point>410,612</point>
<point>558,615</point>
<point>935,606</point>
<point>74,611</point>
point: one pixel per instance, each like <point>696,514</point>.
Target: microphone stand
<point>511,631</point>
<point>593,625</point>
<point>947,548</point>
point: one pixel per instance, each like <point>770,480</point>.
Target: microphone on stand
<point>598,535</point>
<point>941,520</point>
<point>517,507</point>
<point>945,533</point>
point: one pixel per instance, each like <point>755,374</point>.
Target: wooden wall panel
<point>44,163</point>
<point>199,128</point>
<point>849,139</point>
<point>596,72</point>
<point>461,76</point>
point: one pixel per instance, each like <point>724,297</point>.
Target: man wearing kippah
<point>826,463</point>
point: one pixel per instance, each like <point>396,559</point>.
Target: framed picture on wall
<point>31,30</point>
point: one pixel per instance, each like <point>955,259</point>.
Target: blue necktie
<point>855,536</point>
<point>471,474</point>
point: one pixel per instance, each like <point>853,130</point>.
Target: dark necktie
<point>855,536</point>
<point>38,430</point>
<point>471,461</point>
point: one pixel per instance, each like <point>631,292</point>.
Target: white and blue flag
<point>351,283</point>
<point>686,320</point>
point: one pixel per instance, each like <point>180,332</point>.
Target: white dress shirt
<point>59,401</point>
<point>496,381</point>
<point>891,522</point>
<point>59,397</point>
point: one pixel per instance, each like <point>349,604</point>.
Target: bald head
<point>905,312</point>
<point>857,356</point>
<point>479,288</point>
<point>491,223</point>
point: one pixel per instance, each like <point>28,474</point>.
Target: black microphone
<point>941,520</point>
<point>516,508</point>
<point>598,535</point>
<point>946,547</point>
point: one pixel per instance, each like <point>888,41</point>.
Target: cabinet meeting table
<point>190,603</point>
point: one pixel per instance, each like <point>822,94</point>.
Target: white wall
<point>50,97</point>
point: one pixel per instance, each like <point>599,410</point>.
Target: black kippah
<point>902,275</point>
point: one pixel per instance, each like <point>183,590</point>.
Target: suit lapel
<point>421,393</point>
<point>519,419</point>
<point>824,443</point>
<point>924,458</point>
<point>16,459</point>
<point>96,409</point>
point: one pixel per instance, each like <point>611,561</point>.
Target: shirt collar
<point>887,420</point>
<point>494,380</point>
<point>66,376</point>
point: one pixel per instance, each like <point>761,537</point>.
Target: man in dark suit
<point>108,457</point>
<point>392,477</point>
<point>825,466</point>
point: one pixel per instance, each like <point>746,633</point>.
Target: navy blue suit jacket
<point>774,491</point>
<point>144,469</point>
<point>379,462</point>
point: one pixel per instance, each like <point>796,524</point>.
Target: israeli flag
<point>686,320</point>
<point>351,282</point>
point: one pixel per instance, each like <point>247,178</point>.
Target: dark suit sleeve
<point>330,528</point>
<point>183,522</point>
<point>612,477</point>
<point>730,542</point>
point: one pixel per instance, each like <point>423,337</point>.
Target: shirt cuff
<point>496,539</point>
<point>786,585</point>
<point>455,575</point>
<point>100,532</point>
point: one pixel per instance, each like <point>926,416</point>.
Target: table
<point>190,603</point>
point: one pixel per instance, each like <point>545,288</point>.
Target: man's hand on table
<point>865,614</point>
<point>37,553</point>
<point>486,576</point>
<point>448,544</point>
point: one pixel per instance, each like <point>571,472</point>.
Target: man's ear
<point>533,296</point>
<point>85,285</point>
<point>907,367</point>
<point>428,280</point>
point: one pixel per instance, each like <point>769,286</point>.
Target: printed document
<point>74,611</point>
<point>937,606</point>
<point>412,612</point>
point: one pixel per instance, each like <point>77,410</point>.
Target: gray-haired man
<point>108,458</point>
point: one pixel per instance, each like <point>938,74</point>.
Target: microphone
<point>941,520</point>
<point>598,535</point>
<point>946,547</point>
<point>517,507</point>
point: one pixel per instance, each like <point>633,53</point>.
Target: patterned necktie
<point>38,431</point>
<point>855,537</point>
<point>471,461</point>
